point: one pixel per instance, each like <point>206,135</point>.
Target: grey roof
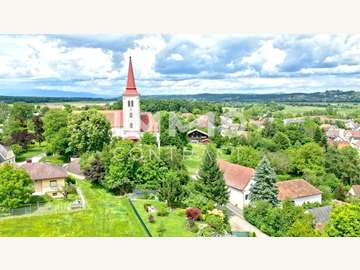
<point>321,214</point>
<point>5,153</point>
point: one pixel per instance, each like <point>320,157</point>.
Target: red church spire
<point>130,87</point>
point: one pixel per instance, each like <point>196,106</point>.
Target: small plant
<point>162,211</point>
<point>192,226</point>
<point>147,206</point>
<point>193,213</point>
<point>161,229</point>
<point>151,218</point>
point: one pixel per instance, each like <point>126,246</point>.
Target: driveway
<point>238,222</point>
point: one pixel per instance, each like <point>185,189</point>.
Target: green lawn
<point>174,223</point>
<point>55,159</point>
<point>193,161</point>
<point>32,151</point>
<point>106,215</point>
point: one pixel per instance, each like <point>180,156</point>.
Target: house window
<point>130,115</point>
<point>54,194</point>
<point>131,125</point>
<point>53,184</point>
<point>246,197</point>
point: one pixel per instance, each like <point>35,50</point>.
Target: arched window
<point>131,115</point>
<point>132,103</point>
<point>131,125</point>
<point>129,104</point>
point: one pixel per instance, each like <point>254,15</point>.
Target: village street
<point>238,222</point>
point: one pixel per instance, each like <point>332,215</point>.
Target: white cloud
<point>176,57</point>
<point>144,56</point>
<point>267,56</point>
<point>41,57</point>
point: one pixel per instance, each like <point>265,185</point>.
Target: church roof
<point>131,86</point>
<point>116,119</point>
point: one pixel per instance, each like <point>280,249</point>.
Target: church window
<point>131,125</point>
<point>128,103</point>
<point>132,103</point>
<point>130,115</point>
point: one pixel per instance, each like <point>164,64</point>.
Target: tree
<point>120,175</point>
<point>16,187</point>
<point>282,141</point>
<point>148,138</point>
<point>4,112</point>
<point>95,172</point>
<point>171,190</point>
<point>245,156</point>
<point>344,220</point>
<point>38,128</point>
<point>211,180</point>
<point>56,131</point>
<point>264,187</point>
<point>177,139</point>
<point>89,131</point>
<point>308,156</point>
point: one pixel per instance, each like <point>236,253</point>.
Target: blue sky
<point>179,63</point>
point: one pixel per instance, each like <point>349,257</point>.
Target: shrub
<point>162,211</point>
<point>197,200</point>
<point>216,222</point>
<point>161,229</point>
<point>192,226</point>
<point>151,218</point>
<point>17,149</point>
<point>146,206</point>
<point>193,213</point>
<point>70,180</point>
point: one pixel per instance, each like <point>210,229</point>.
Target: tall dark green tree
<point>265,183</point>
<point>211,180</point>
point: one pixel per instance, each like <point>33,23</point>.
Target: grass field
<point>192,161</point>
<point>32,151</point>
<point>106,215</point>
<point>55,159</point>
<point>174,223</point>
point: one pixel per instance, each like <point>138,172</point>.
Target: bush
<point>193,213</point>
<point>146,206</point>
<point>151,218</point>
<point>161,229</point>
<point>162,211</point>
<point>217,223</point>
<point>192,226</point>
<point>17,149</point>
<point>197,200</point>
<point>70,180</point>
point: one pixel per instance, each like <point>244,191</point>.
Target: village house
<point>239,180</point>
<point>6,155</point>
<point>130,122</point>
<point>198,136</point>
<point>354,191</point>
<point>299,191</point>
<point>48,179</point>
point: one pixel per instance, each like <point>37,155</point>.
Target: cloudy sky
<point>179,64</point>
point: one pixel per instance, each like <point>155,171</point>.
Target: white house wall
<point>308,199</point>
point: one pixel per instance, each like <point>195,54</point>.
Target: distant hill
<point>317,97</point>
<point>326,97</point>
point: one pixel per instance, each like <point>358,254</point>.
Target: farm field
<point>106,215</point>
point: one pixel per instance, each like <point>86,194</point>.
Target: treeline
<point>13,99</point>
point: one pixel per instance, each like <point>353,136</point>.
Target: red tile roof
<point>296,188</point>
<point>355,133</point>
<point>235,175</point>
<point>43,171</point>
<point>356,189</point>
<point>116,119</point>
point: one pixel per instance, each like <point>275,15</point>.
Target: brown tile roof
<point>296,188</point>
<point>42,171</point>
<point>235,175</point>
<point>356,189</point>
<point>355,133</point>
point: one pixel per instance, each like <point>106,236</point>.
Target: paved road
<point>238,222</point>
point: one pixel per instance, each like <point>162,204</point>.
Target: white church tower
<point>131,107</point>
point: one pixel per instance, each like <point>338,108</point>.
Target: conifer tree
<point>211,180</point>
<point>264,187</point>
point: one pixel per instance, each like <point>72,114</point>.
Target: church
<point>130,122</point>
